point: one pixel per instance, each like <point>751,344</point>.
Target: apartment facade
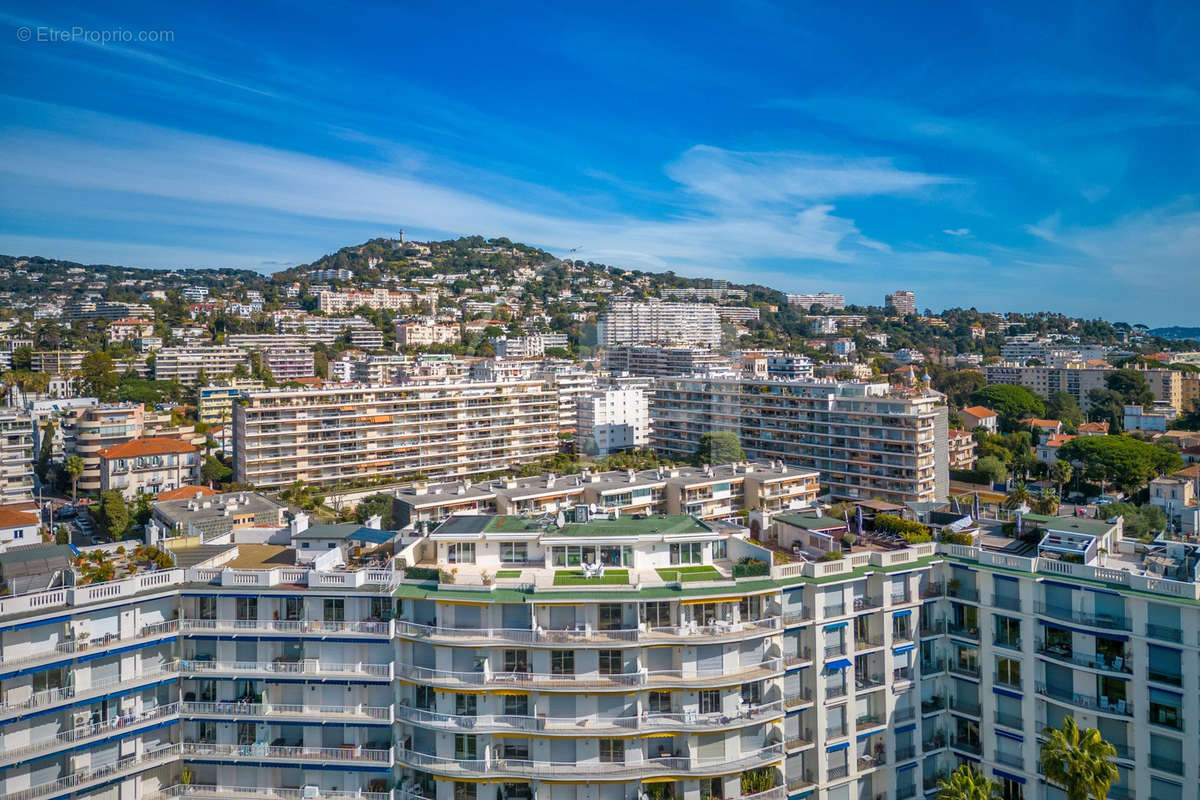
<point>185,364</point>
<point>88,431</point>
<point>826,300</point>
<point>16,456</point>
<point>870,676</point>
<point>410,333</point>
<point>289,363</point>
<point>322,329</point>
<point>148,466</point>
<point>331,302</point>
<point>1078,381</point>
<point>661,362</point>
<point>214,403</point>
<point>629,322</point>
<point>341,433</point>
<point>901,302</point>
<point>867,440</point>
<point>612,420</point>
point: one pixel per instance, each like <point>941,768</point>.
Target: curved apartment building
<point>615,657</point>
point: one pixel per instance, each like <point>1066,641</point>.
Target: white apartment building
<point>628,322</point>
<point>866,439</point>
<point>789,366</point>
<point>184,364</point>
<point>612,420</point>
<point>214,402</point>
<point>411,333</point>
<point>826,300</point>
<point>289,363</point>
<point>16,456</point>
<point>901,302</point>
<point>531,346</point>
<point>328,435</point>
<point>333,302</point>
<point>148,466</point>
<point>570,382</point>
<point>712,492</point>
<point>737,313</point>
<point>1078,381</point>
<point>321,329</point>
<point>653,361</point>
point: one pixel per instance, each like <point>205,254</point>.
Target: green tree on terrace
<point>1079,761</point>
<point>719,447</point>
<point>968,783</point>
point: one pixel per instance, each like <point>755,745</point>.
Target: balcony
<point>308,666</point>
<point>802,656</point>
<point>905,752</point>
<point>837,773</point>
<point>800,698</point>
<point>868,642</point>
<point>74,647</point>
<point>834,692</point>
<point>1121,708</point>
<point>104,773</point>
<point>1006,602</point>
<point>84,734</point>
<point>1164,633</point>
<point>1165,764</point>
<point>932,590</point>
<point>569,681</point>
<point>1067,655</point>
<point>933,704</point>
<point>967,593</point>
<point>1011,759</point>
<point>635,767</point>
<point>378,628</point>
<point>218,792</point>
<point>51,697</point>
<point>1009,721</point>
<point>349,754</point>
<point>963,631</point>
<point>964,668</point>
<point>935,740</point>
<point>967,745</point>
<point>232,708</point>
<point>932,627</point>
<point>595,725</point>
<point>964,706</point>
<point>932,666</point>
<point>1083,618</point>
<point>866,683</point>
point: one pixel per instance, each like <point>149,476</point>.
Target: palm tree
<point>1061,474</point>
<point>1079,761</point>
<point>968,783</point>
<point>1047,502</point>
<point>74,467</point>
<point>1018,496</point>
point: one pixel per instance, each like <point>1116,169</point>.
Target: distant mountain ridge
<point>1177,332</point>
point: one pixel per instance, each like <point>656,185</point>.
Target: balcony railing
<point>76,646</point>
<point>634,765</point>
<point>1067,654</point>
<point>965,668</point>
<point>484,723</point>
<point>586,634</point>
<point>235,708</point>
<point>307,666</point>
<point>219,792</point>
<point>50,697</point>
<point>351,753</point>
<point>1011,759</point>
<point>1005,602</point>
<point>103,772</point>
<point>967,745</point>
<point>1083,618</point>
<point>1009,720</point>
<point>1166,764</point>
<point>83,733</point>
<point>1164,633</point>
<point>963,631</point>
<point>719,676</point>
<point>1122,708</point>
<point>298,627</point>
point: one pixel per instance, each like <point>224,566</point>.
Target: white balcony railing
<point>351,753</point>
<point>650,723</point>
<point>322,627</point>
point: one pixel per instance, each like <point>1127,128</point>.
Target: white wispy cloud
<point>730,206</point>
<point>960,232</point>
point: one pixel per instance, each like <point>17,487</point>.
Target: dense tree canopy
<point>1012,403</point>
<point>1122,461</point>
<point>719,447</point>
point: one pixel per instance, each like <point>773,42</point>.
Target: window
<point>207,607</point>
<point>1010,789</point>
<point>710,701</point>
<point>464,747</point>
<point>1008,632</point>
<point>516,705</point>
<point>335,609</point>
<point>752,693</point>
<point>612,751</point>
<point>466,705</point>
<point>610,662</point>
<point>562,662</point>
<point>1164,709</point>
<point>1008,671</point>
<point>720,550</point>
<point>514,552</point>
<point>423,697</point>
<point>609,616</point>
<point>246,608</point>
<point>381,608</point>
<point>687,553</point>
<point>461,553</point>
<point>516,661</point>
<point>713,788</point>
<point>293,608</point>
<point>515,749</point>
<point>751,607</point>
<point>657,615</point>
<point>465,791</point>
<point>660,702</point>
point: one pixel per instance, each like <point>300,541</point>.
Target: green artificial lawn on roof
<point>508,573</point>
<point>574,577</point>
<point>685,574</point>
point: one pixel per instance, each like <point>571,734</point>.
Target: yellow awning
<point>661,735</point>
<point>703,600</point>
<point>510,735</point>
<point>464,603</point>
<point>509,692</point>
<point>459,691</point>
<point>658,780</point>
<point>461,780</point>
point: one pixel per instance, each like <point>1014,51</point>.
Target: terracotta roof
<point>1041,423</point>
<point>11,517</point>
<point>185,493</point>
<point>1094,427</point>
<point>955,433</point>
<point>147,446</point>
<point>1058,440</point>
<point>1187,472</point>
<point>979,412</point>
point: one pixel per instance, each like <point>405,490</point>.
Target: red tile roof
<point>185,493</point>
<point>12,517</point>
<point>147,446</point>
<point>1058,440</point>
<point>979,412</point>
<point>1094,427</point>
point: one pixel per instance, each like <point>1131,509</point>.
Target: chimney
<point>299,523</point>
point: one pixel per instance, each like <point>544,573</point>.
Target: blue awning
<point>835,626</point>
<point>1014,736</point>
<point>1006,693</point>
<point>906,612</point>
<point>901,650</point>
<point>833,748</point>
<point>841,663</point>
<point>903,767</point>
<point>1008,776</point>
<point>906,728</point>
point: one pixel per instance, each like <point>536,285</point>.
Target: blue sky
<point>981,154</point>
